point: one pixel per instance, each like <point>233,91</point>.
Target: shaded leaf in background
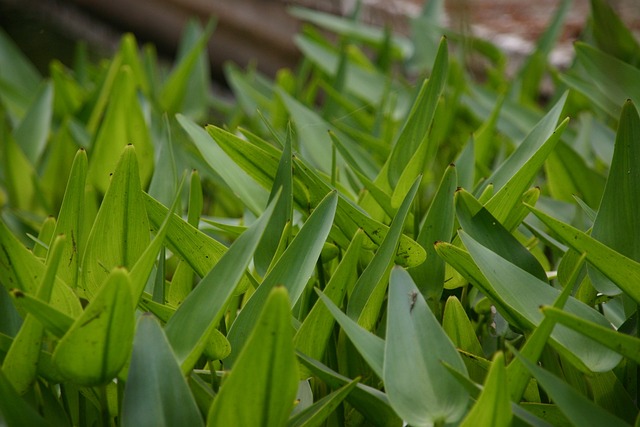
<point>123,124</point>
<point>313,335</point>
<point>283,185</point>
<point>371,402</point>
<point>33,131</point>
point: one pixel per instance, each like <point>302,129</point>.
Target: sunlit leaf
<point>99,342</point>
<point>120,233</point>
<point>123,124</point>
<point>369,291</point>
<point>250,396</point>
<point>189,327</point>
<point>492,407</point>
<point>303,252</point>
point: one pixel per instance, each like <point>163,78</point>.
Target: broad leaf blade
<point>617,224</point>
<point>525,294</point>
<point>262,385</point>
<point>120,233</point>
<point>99,342</point>
<point>622,271</point>
<point>419,387</point>
<point>437,226</point>
<point>575,406</point>
<point>202,309</point>
<point>316,414</point>
<point>369,291</point>
<point>156,379</point>
<point>303,252</point>
<point>493,408</point>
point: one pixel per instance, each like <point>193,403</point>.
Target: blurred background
<point>261,31</point>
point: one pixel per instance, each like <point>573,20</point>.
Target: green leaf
<point>370,346</point>
<point>352,29</point>
<point>419,387</point>
<point>21,270</point>
<point>524,294</point>
<point>418,124</point>
<point>313,335</point>
<point>199,250</point>
<point>283,211</point>
<point>174,90</point>
<point>372,403</point>
<point>123,124</point>
<point>250,193</point>
<point>261,388</point>
<point>53,320</point>
<point>622,271</point>
<point>543,130</point>
<point>369,291</point>
<point>534,346</point>
<point>626,345</point>
<point>316,414</point>
<point>309,189</point>
<point>165,176</point>
<point>436,226</point>
<point>577,408</point>
<point>189,327</point>
<point>316,143</point>
<point>19,78</point>
<point>14,410</point>
<point>483,227</point>
<point>144,265</point>
<point>612,35</point>
<point>493,407</point>
<point>458,327</point>
<point>155,378</point>
<point>21,361</point>
<point>617,224</point>
<point>120,233</point>
<point>509,195</point>
<point>608,76</point>
<point>71,219</point>
<point>33,131</point>
<point>99,342</point>
<point>303,252</point>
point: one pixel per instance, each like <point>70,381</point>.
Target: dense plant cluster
<point>374,238</point>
